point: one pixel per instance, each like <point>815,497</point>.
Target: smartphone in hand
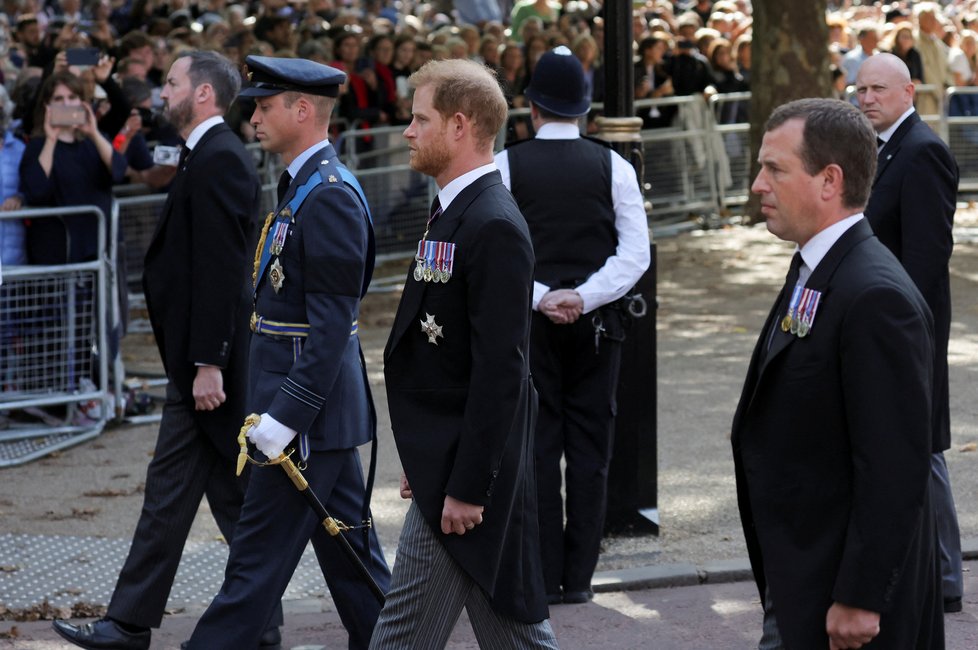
<point>64,115</point>
<point>83,56</point>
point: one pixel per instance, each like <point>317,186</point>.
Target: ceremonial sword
<point>334,527</point>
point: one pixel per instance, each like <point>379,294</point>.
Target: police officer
<point>588,225</point>
<point>312,265</point>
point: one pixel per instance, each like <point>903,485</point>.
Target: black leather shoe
<point>271,639</point>
<point>103,634</point>
<point>952,605</point>
<point>555,599</point>
<point>578,597</point>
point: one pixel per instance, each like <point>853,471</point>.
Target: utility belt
<point>610,321</point>
<point>279,329</point>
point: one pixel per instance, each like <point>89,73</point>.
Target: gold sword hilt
<point>243,457</point>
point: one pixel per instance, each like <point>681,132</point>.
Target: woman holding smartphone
<point>68,162</point>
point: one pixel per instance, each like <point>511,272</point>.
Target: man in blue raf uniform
<point>312,266</point>
<point>587,221</point>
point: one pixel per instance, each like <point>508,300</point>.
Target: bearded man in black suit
<point>197,293</point>
<point>832,436</point>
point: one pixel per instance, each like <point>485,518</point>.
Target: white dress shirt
<point>622,270</point>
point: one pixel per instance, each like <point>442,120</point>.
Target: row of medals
<point>799,326</point>
<point>423,271</point>
<point>801,311</point>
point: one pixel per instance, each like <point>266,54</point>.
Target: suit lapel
<point>176,189</point>
<point>442,230</point>
<point>892,146</point>
<point>819,280</point>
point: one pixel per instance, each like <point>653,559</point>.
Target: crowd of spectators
<point>681,48</point>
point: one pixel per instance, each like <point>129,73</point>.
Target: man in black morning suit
<point>198,298</point>
<point>832,435</point>
<point>459,390</point>
<point>307,380</point>
<point>911,210</point>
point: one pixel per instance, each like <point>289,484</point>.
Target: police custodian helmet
<point>557,84</point>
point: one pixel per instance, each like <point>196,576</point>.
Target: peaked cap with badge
<point>312,265</point>
<point>269,75</point>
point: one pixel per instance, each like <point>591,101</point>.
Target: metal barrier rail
<point>961,134</point>
<point>54,348</point>
<point>681,161</point>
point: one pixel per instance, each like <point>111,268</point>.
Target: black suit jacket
<point>460,410</point>
<point>197,273</point>
<point>832,444</point>
<point>911,210</point>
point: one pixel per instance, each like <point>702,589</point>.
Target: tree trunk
<point>790,60</point>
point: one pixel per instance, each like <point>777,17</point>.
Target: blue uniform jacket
<point>317,384</point>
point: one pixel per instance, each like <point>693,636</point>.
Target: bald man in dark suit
<point>911,210</point>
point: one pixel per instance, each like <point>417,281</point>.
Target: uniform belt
<point>261,325</point>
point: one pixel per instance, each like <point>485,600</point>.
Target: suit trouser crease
<point>428,592</point>
<point>576,385</point>
<point>948,533</point>
<point>185,466</point>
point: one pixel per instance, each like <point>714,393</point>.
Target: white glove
<point>270,436</point>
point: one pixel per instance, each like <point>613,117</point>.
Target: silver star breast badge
<point>431,329</point>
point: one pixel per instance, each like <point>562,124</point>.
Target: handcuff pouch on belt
<point>613,320</point>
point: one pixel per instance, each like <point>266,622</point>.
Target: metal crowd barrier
<point>55,325</point>
<point>955,120</point>
<point>682,161</point>
<point>736,146</point>
<point>961,134</point>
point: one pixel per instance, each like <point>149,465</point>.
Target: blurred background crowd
<point>680,48</point>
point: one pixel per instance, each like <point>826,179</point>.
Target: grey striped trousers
<point>427,593</point>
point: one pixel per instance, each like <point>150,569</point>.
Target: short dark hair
<point>835,132</point>
<point>24,21</point>
<point>214,69</point>
<point>133,41</point>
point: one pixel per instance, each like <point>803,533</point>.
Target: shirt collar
<point>448,193</point>
<point>201,129</point>
<point>887,134</point>
<point>816,248</point>
<point>303,157</point>
<point>559,131</point>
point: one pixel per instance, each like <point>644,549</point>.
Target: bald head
<point>884,90</point>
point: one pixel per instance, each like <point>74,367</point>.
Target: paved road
<point>710,616</point>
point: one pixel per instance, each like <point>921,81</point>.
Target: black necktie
<point>184,153</point>
<point>283,184</point>
<point>435,211</point>
<point>880,143</point>
<point>790,280</point>
<point>432,216</point>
